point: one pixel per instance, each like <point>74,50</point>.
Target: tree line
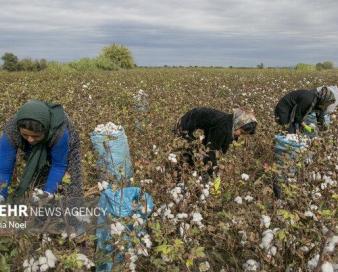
<point>113,57</point>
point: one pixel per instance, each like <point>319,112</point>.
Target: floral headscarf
<point>242,118</point>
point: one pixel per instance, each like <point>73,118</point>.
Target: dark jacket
<point>294,106</point>
<point>217,127</point>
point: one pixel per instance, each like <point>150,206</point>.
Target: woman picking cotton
<point>220,129</point>
<point>51,146</point>
<point>296,105</point>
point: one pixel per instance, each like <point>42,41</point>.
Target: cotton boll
<point>304,249</point>
<point>51,259</point>
<point>267,239</point>
<point>309,214</point>
<point>317,195</point>
<point>314,207</point>
<point>35,266</point>
<point>44,267</point>
<point>42,260</point>
<point>132,267</point>
<point>245,177</point>
<point>138,220</point>
<point>312,263</point>
<point>331,244</point>
<point>205,192</point>
<point>181,216</point>
<point>142,251</point>
<point>197,217</point>
<point>183,228</point>
<point>205,266</point>
<point>244,237</point>
<point>265,221</point>
<point>238,200</point>
<point>147,241</point>
<point>251,265</point>
<point>117,228</point>
<point>25,263</point>
<point>273,251</point>
<point>64,235</point>
<point>325,230</point>
<point>327,267</point>
<point>249,198</point>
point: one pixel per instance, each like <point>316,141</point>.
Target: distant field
<point>94,98</point>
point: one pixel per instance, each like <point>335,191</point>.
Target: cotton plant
<point>86,262</point>
<point>103,185</point>
<point>244,237</point>
<point>172,158</point>
<point>327,267</point>
<point>41,264</point>
<point>331,244</point>
<point>266,243</point>
<point>313,262</point>
<point>251,265</point>
<point>177,194</point>
<point>197,219</point>
<point>117,228</point>
<point>204,266</point>
<point>245,177</point>
<point>238,200</point>
<point>328,182</point>
<point>248,198</point>
<point>265,221</point>
<point>310,214</point>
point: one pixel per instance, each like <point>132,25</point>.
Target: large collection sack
<point>288,149</point>
<point>111,144</point>
<point>122,203</point>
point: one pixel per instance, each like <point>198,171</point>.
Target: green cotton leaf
<point>199,252</point>
<point>4,265</point>
<point>326,213</point>
<point>335,197</point>
<point>281,235</point>
<point>165,249</point>
<point>189,262</point>
<point>66,179</point>
<point>216,189</point>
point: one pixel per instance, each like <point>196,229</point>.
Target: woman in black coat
<point>220,129</point>
<point>294,106</point>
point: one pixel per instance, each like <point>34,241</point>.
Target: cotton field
<point>228,223</point>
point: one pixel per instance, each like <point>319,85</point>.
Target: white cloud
<point>143,24</point>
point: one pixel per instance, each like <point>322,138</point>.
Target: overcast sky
<point>179,32</point>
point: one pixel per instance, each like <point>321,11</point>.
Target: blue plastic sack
<point>119,204</point>
<point>113,152</point>
<point>284,145</point>
<point>286,153</point>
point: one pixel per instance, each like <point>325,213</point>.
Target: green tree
<point>260,66</point>
<point>325,65</point>
<point>328,65</point>
<point>10,62</point>
<point>305,67</point>
<point>319,66</point>
<point>118,54</point>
